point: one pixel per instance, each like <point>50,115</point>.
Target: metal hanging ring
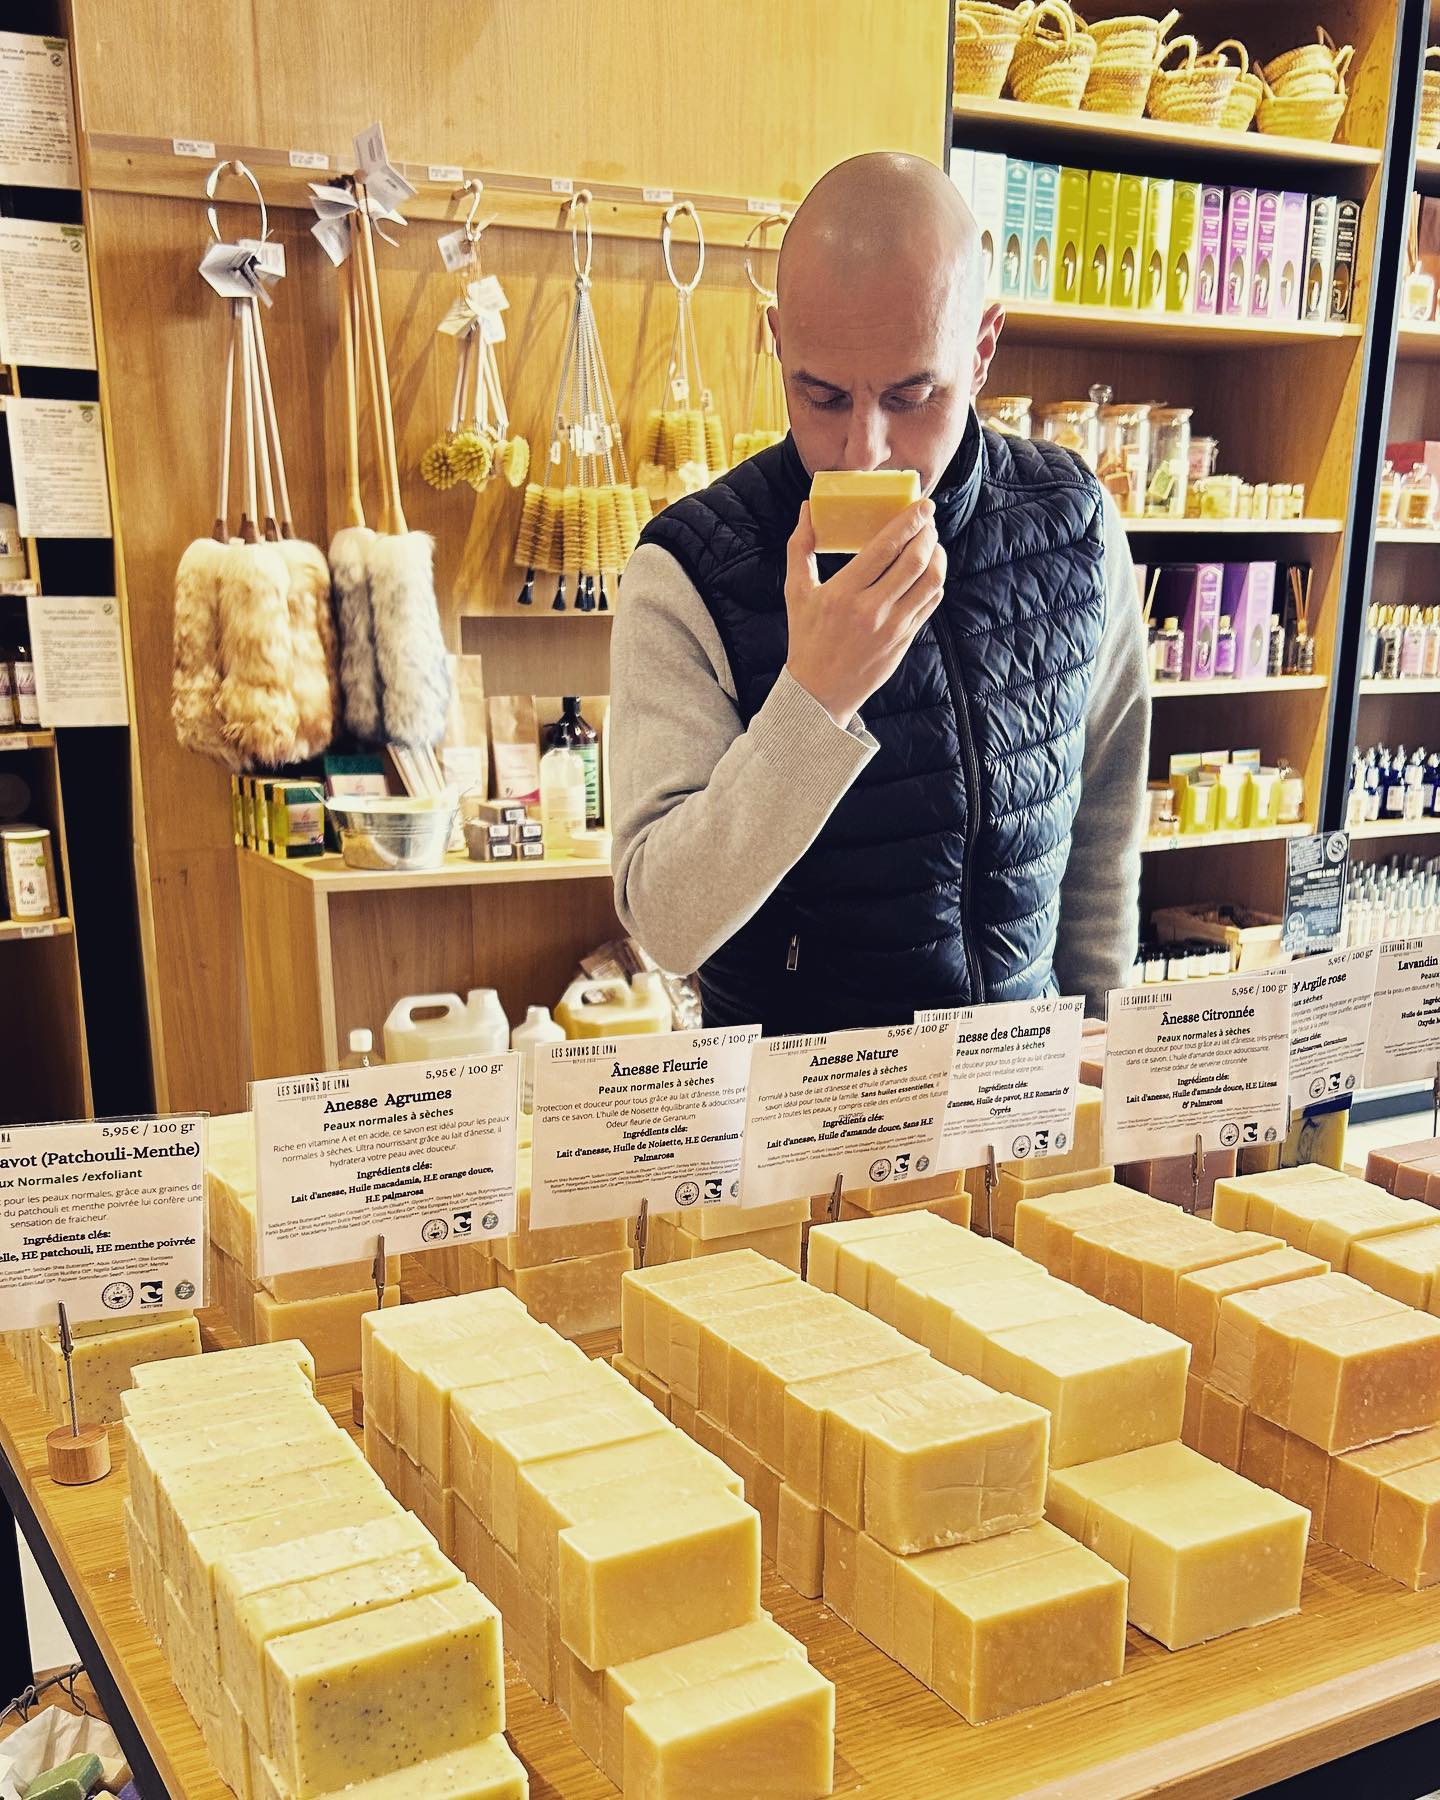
<point>212,183</point>
<point>579,203</point>
<point>682,209</point>
<point>762,226</point>
<point>474,187</point>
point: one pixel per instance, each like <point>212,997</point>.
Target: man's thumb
<point>800,564</point>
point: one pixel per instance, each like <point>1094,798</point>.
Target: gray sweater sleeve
<point>708,817</point>
<point>1100,893</point>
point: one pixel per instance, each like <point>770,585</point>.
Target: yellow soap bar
<point>1082,1152</point>
<point>426,1387</point>
<point>634,1585</point>
<point>1221,1436</point>
<point>200,1372</point>
<point>1206,1551</point>
<point>652,1300</point>
<point>1046,1224</point>
<point>920,1302</point>
<point>1403,1265</point>
<point>477,1414</point>
<point>1199,1294</point>
<point>527,1249</point>
<point>980,1312</point>
<point>1012,1189</point>
<point>1354,1490</point>
<point>328,1325</point>
<point>752,1646</point>
<point>1361,1383</point>
<point>825,1240</point>
<point>1406,1545</point>
<point>781,1243</point>
<point>1242,1314</point>
<point>489,1770</point>
<point>761,1731</point>
<point>573,1297</point>
<point>800,1543</point>
<point>726,1220</point>
<point>1165,1263</point>
<point>104,1366</point>
<point>1247,1202</point>
<point>809,1405</point>
<point>849,506</point>
<point>623,1417</point>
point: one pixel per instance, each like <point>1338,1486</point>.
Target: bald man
<point>849,788</point>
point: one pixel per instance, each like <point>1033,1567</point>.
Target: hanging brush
<point>684,443</point>
<point>350,546</point>
<point>584,519</point>
<point>766,411</point>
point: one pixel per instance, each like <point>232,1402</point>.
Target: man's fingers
<point>908,568</point>
<point>882,550</point>
<point>800,565</point>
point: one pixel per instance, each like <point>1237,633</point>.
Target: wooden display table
<point>328,947</point>
<point>1359,1663</point>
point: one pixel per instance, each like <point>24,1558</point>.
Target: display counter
<point>1361,1662</point>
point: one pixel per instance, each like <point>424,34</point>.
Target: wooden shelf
<point>1234,527</point>
<point>1378,830</point>
<point>26,930</point>
<point>1222,687</point>
<point>27,740</point>
<point>1042,321</point>
<point>1420,342</point>
<point>1010,123</point>
<point>331,874</point>
<point>1400,534</point>
<point>1427,171</point>
<point>1215,840</point>
<point>1373,688</point>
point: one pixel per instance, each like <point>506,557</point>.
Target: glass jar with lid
<point>1074,424</point>
<point>1125,455</point>
<point>1389,516</point>
<point>1009,413</point>
<point>1169,462</point>
<point>1418,498</point>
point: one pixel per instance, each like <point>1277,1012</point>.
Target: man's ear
<point>992,322</point>
<point>772,316</point>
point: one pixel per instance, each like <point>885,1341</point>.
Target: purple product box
<point>1191,593</point>
<point>1248,598</point>
<point>1286,289</point>
<point>1238,260</point>
<point>1263,272</point>
<point>1209,248</point>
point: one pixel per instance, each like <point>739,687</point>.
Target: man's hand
<point>848,635</point>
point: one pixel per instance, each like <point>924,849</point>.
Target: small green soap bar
<point>71,1780</point>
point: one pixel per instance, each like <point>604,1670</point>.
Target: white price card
<point>57,450</point>
<point>37,120</point>
<point>1013,1081</point>
<point>1201,1059</point>
<point>1330,1004</point>
<point>864,1105</point>
<point>107,1216</point>
<point>423,1153</point>
<point>624,1120</point>
<point>45,318</point>
<point>1405,1023</point>
<point>79,659</point>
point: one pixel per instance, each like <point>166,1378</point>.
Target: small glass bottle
<point>1412,646</point>
<point>1009,413</point>
<point>1292,794</point>
<point>1075,425</point>
<point>1370,811</point>
<point>1225,648</point>
<point>1392,786</point>
<point>1275,658</point>
<point>1430,653</point>
<point>1170,651</point>
<point>1125,455</point>
<point>1418,497</point>
<point>361,1054</point>
<point>1389,646</point>
<point>1370,643</point>
<point>1169,476</point>
<point>1389,514</point>
<point>9,710</point>
<point>1414,803</point>
<point>27,703</point>
<point>1302,654</point>
<point>1432,777</point>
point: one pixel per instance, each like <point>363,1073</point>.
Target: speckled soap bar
<point>71,1780</point>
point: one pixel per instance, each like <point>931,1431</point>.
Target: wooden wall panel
<point>719,96</point>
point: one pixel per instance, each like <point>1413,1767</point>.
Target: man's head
<point>880,321</point>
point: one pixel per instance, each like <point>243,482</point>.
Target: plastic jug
<point>475,1026</point>
<point>538,1028</point>
<point>597,1009</point>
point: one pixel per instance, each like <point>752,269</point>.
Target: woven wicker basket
<point>1314,117</point>
<point>1120,92</point>
<point>1196,92</point>
<point>1316,69</point>
<point>982,57</point>
<point>1427,135</point>
<point>1052,64</point>
<point>1239,113</point>
<point>1127,51</point>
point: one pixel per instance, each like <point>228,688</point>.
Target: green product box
<point>247,811</point>
<point>1070,235</point>
<point>1180,265</point>
<point>1015,241</point>
<point>1155,245</point>
<point>1129,240</point>
<point>237,817</point>
<point>1044,211</point>
<point>297,818</point>
<point>1097,275</point>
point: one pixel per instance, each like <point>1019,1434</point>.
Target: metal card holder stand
<point>992,1181</point>
<point>642,1231</point>
<point>1197,1172</point>
<point>76,1454</point>
<point>377,1275</point>
<point>1435,1105</point>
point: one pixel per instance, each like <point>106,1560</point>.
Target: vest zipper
<point>972,777</point>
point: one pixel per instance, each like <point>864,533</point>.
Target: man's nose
<point>867,443</point>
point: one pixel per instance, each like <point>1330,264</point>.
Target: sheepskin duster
<point>410,655</point>
<point>256,701</point>
<point>314,680</point>
<point>195,687</point>
<point>350,585</point>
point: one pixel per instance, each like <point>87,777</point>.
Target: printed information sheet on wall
<point>1330,1003</point>
<point>57,449</point>
<point>1207,1060</point>
<point>79,659</point>
<point>107,1216</point>
<point>1405,1023</point>
<point>625,1120</point>
<point>423,1153</point>
<point>37,121</point>
<point>1013,1082</point>
<point>864,1105</point>
<point>45,296</point>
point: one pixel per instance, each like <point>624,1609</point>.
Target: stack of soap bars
<point>313,1627</point>
<point>104,1358</point>
<point>624,1561</point>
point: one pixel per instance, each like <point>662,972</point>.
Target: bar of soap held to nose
<point>848,506</point>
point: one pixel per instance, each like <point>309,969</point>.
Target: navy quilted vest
<point>936,880</point>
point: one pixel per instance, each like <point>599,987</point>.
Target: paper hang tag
<point>382,179</point>
<point>234,272</point>
<point>492,328</point>
<point>457,250</point>
<point>331,202</point>
<point>457,321</point>
<point>333,237</point>
<point>269,253</point>
<point>487,295</point>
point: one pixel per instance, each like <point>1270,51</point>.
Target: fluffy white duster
<point>256,702</point>
<point>410,650</point>
<point>312,647</point>
<point>350,584</point>
<point>195,685</point>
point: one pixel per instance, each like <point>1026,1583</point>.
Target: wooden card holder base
<point>78,1458</point>
<point>357,1402</point>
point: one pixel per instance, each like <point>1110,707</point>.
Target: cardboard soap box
<point>1129,240</point>
<point>1238,261</point>
<point>1044,213</point>
<point>1286,290</point>
<point>1180,262</point>
<point>1097,275</point>
<point>1155,244</point>
<point>1070,235</point>
<point>1263,273</point>
<point>1015,241</point>
<point>987,202</point>
<point>1248,597</point>
<point>1210,250</point>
